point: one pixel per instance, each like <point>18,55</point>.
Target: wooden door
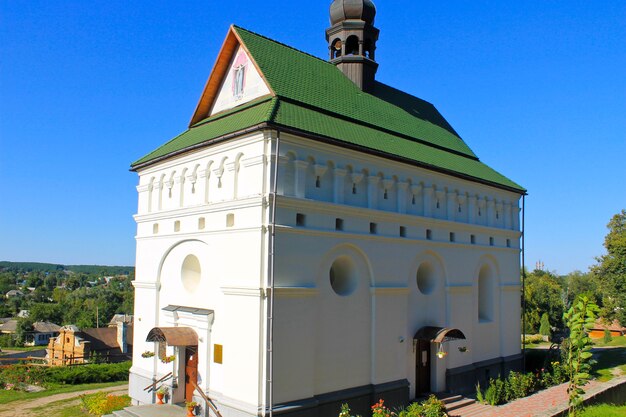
<point>422,368</point>
<point>191,371</point>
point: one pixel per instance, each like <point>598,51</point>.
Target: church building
<point>317,237</point>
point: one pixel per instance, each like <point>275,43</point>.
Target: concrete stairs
<point>459,406</point>
<point>151,410</point>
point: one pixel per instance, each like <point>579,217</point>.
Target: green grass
<point>607,359</point>
<point>618,341</point>
<point>10,396</point>
<point>604,410</point>
<point>71,411</point>
<point>23,349</point>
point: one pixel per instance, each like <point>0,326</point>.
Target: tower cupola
<point>352,40</point>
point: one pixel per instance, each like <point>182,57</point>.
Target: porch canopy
<point>174,336</point>
<point>438,334</point>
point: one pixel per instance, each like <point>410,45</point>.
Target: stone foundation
<point>395,394</point>
<point>463,380</point>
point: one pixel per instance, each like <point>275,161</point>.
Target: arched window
<point>335,49</point>
<point>352,45</point>
<point>485,294</point>
<point>368,49</point>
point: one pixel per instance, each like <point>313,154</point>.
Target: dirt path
<point>26,408</point>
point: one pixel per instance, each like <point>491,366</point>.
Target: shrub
<point>18,376</point>
<point>433,407</point>
<point>519,385</point>
<point>555,374</point>
<point>495,394</point>
<point>86,374</point>
<point>544,328</point>
<point>413,410</point>
<point>533,339</point>
<point>102,403</point>
<point>7,340</point>
<point>479,394</point>
<point>607,336</point>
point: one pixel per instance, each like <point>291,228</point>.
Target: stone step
<point>473,410</point>
<point>122,413</point>
<point>151,410</point>
<point>450,399</point>
<point>460,403</point>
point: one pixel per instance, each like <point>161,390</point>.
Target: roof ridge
<point>281,44</point>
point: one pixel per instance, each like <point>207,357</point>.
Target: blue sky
<point>537,89</point>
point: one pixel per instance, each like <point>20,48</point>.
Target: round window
<point>342,276</point>
<point>426,280</point>
<point>190,273</point>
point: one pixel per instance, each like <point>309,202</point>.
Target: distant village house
<point>39,336</point>
<point>75,346</point>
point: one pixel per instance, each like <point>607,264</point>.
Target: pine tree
<point>545,329</point>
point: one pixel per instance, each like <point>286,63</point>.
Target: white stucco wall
<point>209,205</point>
<point>323,341</point>
<point>327,342</point>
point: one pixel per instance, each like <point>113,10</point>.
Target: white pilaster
<point>402,187</point>
<point>372,191</point>
<point>301,167</point>
<point>429,194</point>
<point>339,185</point>
<point>452,205</point>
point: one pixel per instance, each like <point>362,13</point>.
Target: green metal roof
<point>251,114</point>
<point>315,97</point>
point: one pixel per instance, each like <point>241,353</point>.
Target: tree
<point>611,270</point>
<point>543,293</point>
<point>579,283</point>
<point>545,329</point>
<point>24,327</point>
<point>580,318</point>
<point>46,312</point>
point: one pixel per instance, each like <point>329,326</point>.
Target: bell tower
<point>352,40</point>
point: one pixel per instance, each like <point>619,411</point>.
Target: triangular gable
<point>227,87</point>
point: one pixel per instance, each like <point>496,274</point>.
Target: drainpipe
<point>270,284</point>
<point>523,285</point>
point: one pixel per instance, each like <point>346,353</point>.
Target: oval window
<point>342,276</point>
<point>426,278</point>
<point>191,273</point>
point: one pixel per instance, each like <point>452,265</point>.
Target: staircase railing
<point>206,398</point>
<point>152,386</point>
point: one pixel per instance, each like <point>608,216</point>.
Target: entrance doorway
<point>191,371</point>
<point>422,367</point>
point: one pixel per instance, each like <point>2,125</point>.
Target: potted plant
<point>147,354</point>
<point>191,406</point>
<point>168,359</point>
<point>162,392</point>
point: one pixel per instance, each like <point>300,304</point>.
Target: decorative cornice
<point>295,292</point>
<point>243,291</point>
<point>459,288</point>
<point>510,287</point>
<point>389,290</point>
<point>146,285</point>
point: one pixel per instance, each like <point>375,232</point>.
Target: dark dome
<point>341,10</point>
